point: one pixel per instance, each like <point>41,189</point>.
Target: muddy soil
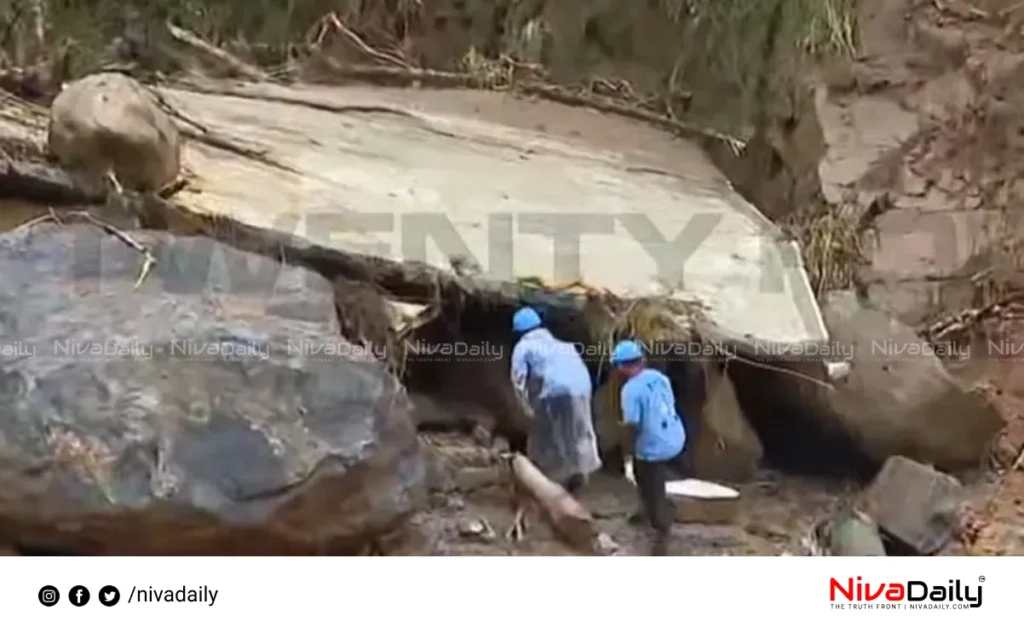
<point>777,512</point>
<point>993,523</point>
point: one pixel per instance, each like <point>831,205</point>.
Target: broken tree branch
<point>517,530</point>
<point>333,108</point>
<point>232,63</point>
<point>129,241</point>
<point>203,134</point>
<point>404,76</point>
<point>610,105</point>
<point>335,22</point>
<point>174,112</point>
<point>567,516</point>
<point>964,320</point>
<point>224,143</point>
<point>1017,463</point>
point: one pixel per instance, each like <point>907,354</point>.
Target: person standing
<point>554,385</point>
<point>655,436</point>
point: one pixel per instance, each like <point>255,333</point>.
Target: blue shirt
<point>554,365</point>
<point>649,405</point>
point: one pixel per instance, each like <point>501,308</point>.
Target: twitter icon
<point>109,596</point>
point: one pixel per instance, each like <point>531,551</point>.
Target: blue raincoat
<point>553,382</point>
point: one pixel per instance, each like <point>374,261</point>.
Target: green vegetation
<point>734,44</point>
<point>723,36</point>
<point>267,30</point>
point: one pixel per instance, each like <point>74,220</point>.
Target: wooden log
<point>47,184</point>
<point>567,516</point>
<point>410,281</point>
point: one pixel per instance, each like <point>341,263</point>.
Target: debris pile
<point>129,157</point>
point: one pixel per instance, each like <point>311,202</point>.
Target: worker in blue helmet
<point>554,385</point>
<point>655,436</point>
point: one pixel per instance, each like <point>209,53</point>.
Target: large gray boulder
<point>898,398</point>
<point>214,410</point>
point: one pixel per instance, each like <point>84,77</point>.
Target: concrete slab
<point>418,163</point>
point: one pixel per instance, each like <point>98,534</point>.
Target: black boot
<point>660,546</point>
<point>575,483</point>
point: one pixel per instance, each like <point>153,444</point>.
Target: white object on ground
<point>837,371</point>
<point>694,488</point>
<point>697,489</point>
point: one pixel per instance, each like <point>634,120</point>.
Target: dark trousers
<point>651,478</point>
<point>575,483</point>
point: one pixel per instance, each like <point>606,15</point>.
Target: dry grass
<point>832,247</point>
<point>735,28</point>
<point>494,74</point>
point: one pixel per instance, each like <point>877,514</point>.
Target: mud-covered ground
<point>777,513</point>
<point>470,516</point>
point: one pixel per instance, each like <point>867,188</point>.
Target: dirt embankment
<point>924,138</point>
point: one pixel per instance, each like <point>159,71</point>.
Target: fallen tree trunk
<point>567,516</point>
<point>410,281</point>
<point>403,76</point>
<point>46,184</point>
<point>222,57</point>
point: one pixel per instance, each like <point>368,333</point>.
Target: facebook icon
<point>79,596</point>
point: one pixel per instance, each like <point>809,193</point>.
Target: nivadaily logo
<point>910,594</point>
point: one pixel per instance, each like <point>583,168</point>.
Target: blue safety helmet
<point>524,320</point>
<point>626,352</point>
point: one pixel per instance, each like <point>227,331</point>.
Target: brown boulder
<point>722,445</point>
<point>109,122</point>
<point>898,398</point>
